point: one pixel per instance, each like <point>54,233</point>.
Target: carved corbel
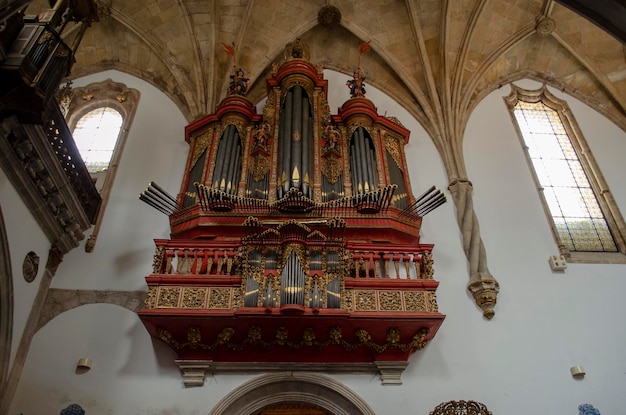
<point>482,285</point>
<point>194,371</point>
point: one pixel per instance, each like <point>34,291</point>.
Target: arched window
<point>99,116</point>
<point>96,135</point>
<point>583,214</point>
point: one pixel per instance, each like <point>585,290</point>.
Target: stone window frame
<point>591,168</point>
<point>121,98</point>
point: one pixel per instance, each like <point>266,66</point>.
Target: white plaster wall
<point>517,363</point>
<point>155,150</point>
<point>24,235</point>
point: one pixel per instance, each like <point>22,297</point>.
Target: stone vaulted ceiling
<point>438,58</point>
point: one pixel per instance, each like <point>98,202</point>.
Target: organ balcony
<point>295,239</point>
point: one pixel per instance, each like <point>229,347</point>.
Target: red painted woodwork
<point>202,301</point>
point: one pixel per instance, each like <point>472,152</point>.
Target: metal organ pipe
<point>285,143</point>
<point>227,157</point>
<point>296,139</point>
<point>233,173</point>
<point>367,182</point>
<point>371,165</point>
<point>357,173</point>
<point>296,135</point>
<point>307,137</point>
<point>292,281</point>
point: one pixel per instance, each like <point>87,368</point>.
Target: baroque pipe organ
<point>294,240</point>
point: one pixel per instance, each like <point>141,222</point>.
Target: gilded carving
<point>168,297</point>
<point>194,337</point>
<point>308,339</point>
<point>194,297</point>
<point>202,142</point>
<point>418,341</point>
<point>393,336</point>
<point>302,81</point>
<point>365,300</point>
<point>151,299</point>
<point>415,301</point>
<point>432,301</point>
<point>392,146</point>
<point>269,111</point>
<point>461,407</point>
<point>390,300</point>
<point>219,298</point>
<point>282,336</point>
<point>356,125</point>
<point>427,265</point>
<point>259,166</point>
<point>254,334</point>
<point>241,128</point>
<point>225,335</point>
<point>332,168</point>
<point>157,261</point>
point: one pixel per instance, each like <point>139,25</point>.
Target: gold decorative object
<point>151,299</point>
<point>415,301</point>
<point>194,297</point>
<point>391,145</point>
<point>168,297</point>
<point>259,166</point>
<point>365,300</point>
<point>157,261</point>
<point>219,298</point>
<point>461,408</point>
<point>308,339</point>
<point>432,301</point>
<point>393,336</point>
<point>332,168</point>
<point>427,265</point>
<point>390,300</point>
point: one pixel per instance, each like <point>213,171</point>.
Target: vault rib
<point>157,48</point>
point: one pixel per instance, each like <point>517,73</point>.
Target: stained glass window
<point>578,218</point>
<point>95,135</point>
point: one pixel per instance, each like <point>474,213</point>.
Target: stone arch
<point>310,388</point>
<point>59,301</point>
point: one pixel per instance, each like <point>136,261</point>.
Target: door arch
<point>297,387</point>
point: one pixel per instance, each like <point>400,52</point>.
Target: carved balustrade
<point>398,264</point>
<point>186,259</point>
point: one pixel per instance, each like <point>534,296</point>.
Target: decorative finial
<point>297,50</point>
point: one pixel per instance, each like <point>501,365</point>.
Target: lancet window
<point>584,218</point>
